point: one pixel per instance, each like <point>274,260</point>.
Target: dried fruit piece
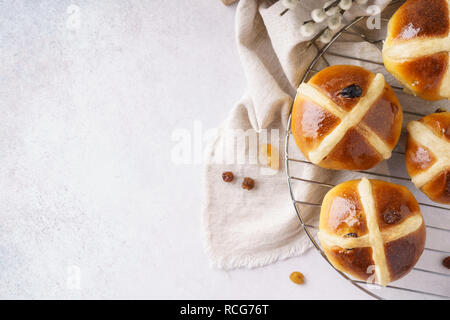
<point>271,156</point>
<point>297,277</point>
<point>227,176</point>
<point>440,110</point>
<point>392,217</point>
<point>352,91</point>
<point>351,235</point>
<point>248,183</point>
<point>446,262</point>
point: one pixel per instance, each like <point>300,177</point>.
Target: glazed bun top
<point>346,118</point>
<point>417,47</point>
<point>366,223</point>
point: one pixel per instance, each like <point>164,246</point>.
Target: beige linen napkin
<point>258,227</point>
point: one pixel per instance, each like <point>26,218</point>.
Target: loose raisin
<point>351,235</point>
<point>248,183</point>
<point>446,262</point>
<point>297,277</point>
<point>352,91</point>
<point>392,217</point>
<point>227,176</point>
<point>440,110</point>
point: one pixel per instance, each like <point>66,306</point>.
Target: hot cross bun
<point>346,118</point>
<point>417,48</point>
<point>372,230</point>
<point>428,155</point>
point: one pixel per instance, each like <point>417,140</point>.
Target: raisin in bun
<point>346,118</point>
<point>372,230</point>
<point>417,48</point>
<point>428,155</point>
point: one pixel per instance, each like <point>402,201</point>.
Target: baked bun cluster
<point>372,230</point>
<point>417,48</point>
<point>346,118</point>
<point>428,155</point>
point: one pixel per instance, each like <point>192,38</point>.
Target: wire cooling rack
<point>429,279</point>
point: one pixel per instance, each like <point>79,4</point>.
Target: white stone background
<point>86,179</point>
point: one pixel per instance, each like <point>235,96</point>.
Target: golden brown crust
<point>425,74</point>
<point>393,205</point>
<point>391,246</point>
<point>438,189</point>
<point>353,152</point>
<point>342,211</point>
<point>387,108</point>
<point>421,18</point>
<point>313,122</point>
<point>421,160</point>
<point>320,108</point>
<point>418,157</point>
<point>357,261</point>
<point>402,254</point>
<point>439,123</point>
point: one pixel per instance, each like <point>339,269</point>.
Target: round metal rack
<point>429,279</point>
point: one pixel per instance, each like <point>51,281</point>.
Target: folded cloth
<point>252,228</point>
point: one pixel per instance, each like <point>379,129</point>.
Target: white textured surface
<point>86,180</point>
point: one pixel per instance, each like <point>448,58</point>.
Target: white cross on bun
<point>346,118</point>
<point>417,48</point>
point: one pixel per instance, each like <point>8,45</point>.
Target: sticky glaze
<point>353,152</point>
<point>418,158</point>
<point>425,74</point>
<point>356,261</point>
<point>439,123</point>
<point>313,122</point>
<point>438,189</point>
<point>385,117</point>
<point>421,18</point>
<point>297,277</point>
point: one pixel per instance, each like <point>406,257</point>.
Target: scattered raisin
<point>446,262</point>
<point>227,176</point>
<point>392,217</point>
<point>248,183</point>
<point>440,110</point>
<point>297,277</point>
<point>351,235</point>
<point>352,91</point>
